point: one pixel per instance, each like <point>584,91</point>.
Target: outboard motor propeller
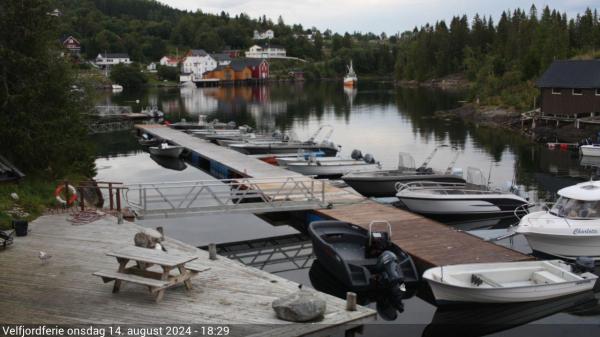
<point>356,154</point>
<point>584,264</point>
<point>391,277</point>
<point>369,159</point>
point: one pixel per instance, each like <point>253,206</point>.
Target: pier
<point>64,291</point>
<point>430,243</point>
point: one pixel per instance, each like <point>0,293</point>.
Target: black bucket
<point>20,227</point>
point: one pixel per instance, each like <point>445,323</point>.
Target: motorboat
<point>277,147</point>
<point>460,201</point>
<point>571,228</point>
<point>202,124</point>
<point>350,80</point>
<point>362,259</point>
<point>117,88</point>
<point>590,150</point>
<point>382,183</point>
<point>507,282</point>
<point>147,140</point>
<point>175,164</point>
<point>330,166</point>
<point>166,150</point>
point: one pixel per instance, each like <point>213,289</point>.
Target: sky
<point>389,16</point>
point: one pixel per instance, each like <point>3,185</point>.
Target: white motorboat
<point>590,150</point>
<point>571,228</point>
<point>117,88</point>
<point>507,282</point>
<point>452,201</point>
<point>328,167</point>
<point>166,150</point>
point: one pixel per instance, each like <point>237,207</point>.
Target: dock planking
<point>430,243</point>
<point>64,291</point>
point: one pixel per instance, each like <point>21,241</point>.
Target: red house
<point>72,45</point>
<point>259,68</point>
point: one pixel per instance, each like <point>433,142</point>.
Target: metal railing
<point>246,195</point>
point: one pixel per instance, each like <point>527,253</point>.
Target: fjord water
<point>376,118</point>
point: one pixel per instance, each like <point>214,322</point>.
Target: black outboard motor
<point>583,264</point>
<point>369,159</point>
<point>356,154</point>
<point>391,277</point>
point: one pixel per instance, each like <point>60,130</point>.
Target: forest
<point>501,59</point>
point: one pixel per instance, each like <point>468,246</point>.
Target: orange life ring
<point>72,191</point>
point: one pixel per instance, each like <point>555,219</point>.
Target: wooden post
<point>66,193</point>
<point>212,251</point>
<point>118,196</point>
<point>350,301</point>
<point>110,195</point>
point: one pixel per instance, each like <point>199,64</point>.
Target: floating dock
<point>64,291</point>
<point>429,242</point>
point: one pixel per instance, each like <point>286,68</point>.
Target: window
<point>576,209</point>
<point>597,92</point>
<point>577,92</point>
<point>556,91</point>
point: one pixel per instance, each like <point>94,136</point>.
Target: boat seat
<point>545,277</point>
<point>477,279</point>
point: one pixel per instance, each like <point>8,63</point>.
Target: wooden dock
<point>64,291</point>
<point>430,243</point>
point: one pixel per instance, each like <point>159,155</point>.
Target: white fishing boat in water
<point>166,150</point>
<point>507,282</point>
<point>571,228</point>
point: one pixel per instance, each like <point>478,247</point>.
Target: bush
<point>167,73</point>
<point>128,76</point>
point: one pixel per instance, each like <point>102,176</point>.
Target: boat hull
<point>475,207</point>
<point>381,187</point>
<point>329,170</point>
<point>282,149</point>
<point>447,294</point>
<point>590,150</point>
<point>171,152</point>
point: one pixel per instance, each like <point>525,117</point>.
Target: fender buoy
<point>72,192</point>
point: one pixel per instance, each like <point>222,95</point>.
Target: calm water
<point>383,121</point>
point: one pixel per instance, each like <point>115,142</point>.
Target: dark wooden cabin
<point>571,88</point>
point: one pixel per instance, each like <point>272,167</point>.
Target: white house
<point>107,60</point>
<point>169,61</point>
<point>197,62</point>
<point>266,52</point>
<point>266,35</point>
<point>151,67</point>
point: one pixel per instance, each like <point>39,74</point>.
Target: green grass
<point>35,196</point>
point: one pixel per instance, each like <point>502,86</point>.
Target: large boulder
<point>300,306</point>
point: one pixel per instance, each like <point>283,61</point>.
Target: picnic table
<point>144,258</point>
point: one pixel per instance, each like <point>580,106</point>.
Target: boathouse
<point>236,71</point>
<point>571,89</point>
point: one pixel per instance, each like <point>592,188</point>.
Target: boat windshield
<point>576,209</point>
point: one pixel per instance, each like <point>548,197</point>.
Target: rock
<point>14,196</point>
<point>300,306</point>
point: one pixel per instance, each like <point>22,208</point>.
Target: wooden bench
<point>108,276</point>
<point>157,282</point>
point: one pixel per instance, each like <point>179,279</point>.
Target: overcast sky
<point>390,16</point>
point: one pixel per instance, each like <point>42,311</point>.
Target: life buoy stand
<point>72,192</point>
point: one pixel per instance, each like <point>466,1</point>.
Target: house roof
<point>197,52</point>
<point>171,59</point>
<point>571,74</point>
<point>238,64</point>
<point>221,57</point>
<point>69,37</point>
<point>114,55</point>
<point>251,62</point>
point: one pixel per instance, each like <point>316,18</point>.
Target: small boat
<point>453,201</point>
<point>362,259</point>
<point>117,87</point>
<point>507,282</point>
<point>153,112</point>
<point>277,147</point>
<point>350,80</point>
<point>329,167</point>
<point>590,150</point>
<point>166,150</point>
<point>147,140</point>
<point>175,164</point>
<point>382,183</point>
<point>571,228</point>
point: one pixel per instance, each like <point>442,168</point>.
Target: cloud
<point>376,16</point>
